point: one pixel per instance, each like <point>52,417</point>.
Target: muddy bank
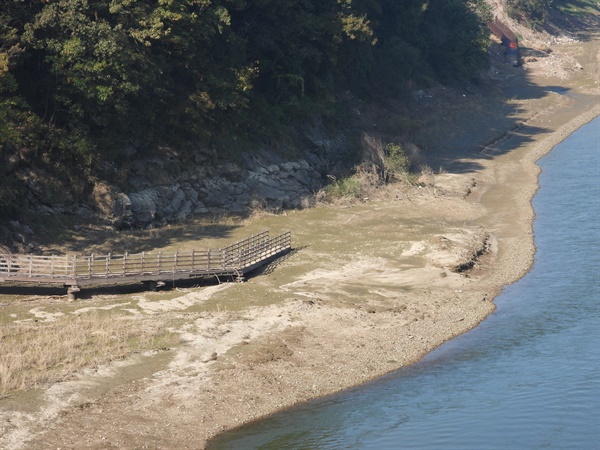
<point>369,288</point>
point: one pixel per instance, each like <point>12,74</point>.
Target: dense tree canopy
<point>80,79</point>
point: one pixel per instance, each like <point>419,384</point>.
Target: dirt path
<point>369,288</point>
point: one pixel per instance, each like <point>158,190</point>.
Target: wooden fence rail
<point>74,271</point>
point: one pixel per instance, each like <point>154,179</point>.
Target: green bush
<point>396,162</point>
<point>345,187</point>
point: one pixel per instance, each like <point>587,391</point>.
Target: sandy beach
<point>369,287</point>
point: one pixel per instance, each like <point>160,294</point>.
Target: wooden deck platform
<point>76,271</point>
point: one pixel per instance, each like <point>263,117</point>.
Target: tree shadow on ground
<point>498,109</point>
<point>578,17</point>
<point>194,233</point>
<point>459,128</point>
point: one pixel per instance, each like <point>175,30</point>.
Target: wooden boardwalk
<point>76,271</point>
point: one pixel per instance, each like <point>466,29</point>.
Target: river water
<point>526,378</point>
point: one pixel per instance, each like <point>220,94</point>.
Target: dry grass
<point>37,353</point>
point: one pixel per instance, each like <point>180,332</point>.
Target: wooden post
<point>90,260</point>
<point>72,292</point>
<point>142,262</point>
<point>158,259</point>
<point>30,265</point>
<point>52,267</point>
<point>125,264</point>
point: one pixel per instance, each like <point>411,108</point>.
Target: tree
<point>458,41</point>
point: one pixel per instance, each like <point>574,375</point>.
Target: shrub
<point>396,162</point>
<point>358,186</point>
<point>345,187</point>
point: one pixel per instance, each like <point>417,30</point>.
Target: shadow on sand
<point>490,117</point>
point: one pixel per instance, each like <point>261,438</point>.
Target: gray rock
<point>200,208</point>
<point>273,168</point>
<point>144,206</point>
<point>170,188</point>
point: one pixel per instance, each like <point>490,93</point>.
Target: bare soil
<point>369,288</point>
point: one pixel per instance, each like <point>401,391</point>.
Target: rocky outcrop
<point>151,190</point>
<point>171,187</point>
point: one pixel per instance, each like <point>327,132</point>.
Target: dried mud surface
<point>369,288</point>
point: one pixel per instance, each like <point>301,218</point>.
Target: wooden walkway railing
<point>75,271</point>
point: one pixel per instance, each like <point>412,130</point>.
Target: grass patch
<point>358,186</point>
<point>37,353</point>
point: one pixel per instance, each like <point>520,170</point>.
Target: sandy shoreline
<point>343,309</point>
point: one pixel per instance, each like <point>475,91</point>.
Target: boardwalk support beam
<point>72,292</point>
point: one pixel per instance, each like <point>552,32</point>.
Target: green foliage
<point>482,9</point>
<point>457,40</point>
<point>169,71</point>
<point>345,187</point>
<point>396,162</point>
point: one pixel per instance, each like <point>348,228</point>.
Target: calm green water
<point>527,378</point>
